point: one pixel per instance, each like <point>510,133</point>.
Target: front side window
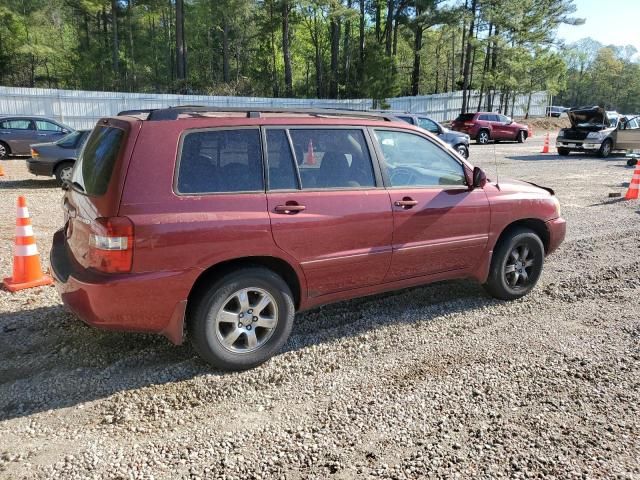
<point>428,125</point>
<point>485,118</point>
<point>332,158</point>
<point>413,161</point>
<point>17,124</point>
<point>48,126</point>
<point>221,161</point>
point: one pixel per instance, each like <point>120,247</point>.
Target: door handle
<point>42,134</point>
<point>406,203</point>
<point>289,209</point>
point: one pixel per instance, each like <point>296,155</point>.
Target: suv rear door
<point>439,224</point>
<point>327,206</point>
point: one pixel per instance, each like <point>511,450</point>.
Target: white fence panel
<point>81,109</point>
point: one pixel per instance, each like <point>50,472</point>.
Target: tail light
<point>468,124</point>
<point>111,245</point>
<point>34,153</point>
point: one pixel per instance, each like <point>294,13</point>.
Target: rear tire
<point>564,152</point>
<point>243,319</point>
<point>483,137</point>
<point>63,172</point>
<point>5,151</point>
<point>516,265</point>
<point>605,148</point>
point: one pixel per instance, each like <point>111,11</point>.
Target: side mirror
<point>479,178</point>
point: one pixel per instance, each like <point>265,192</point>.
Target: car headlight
<point>596,135</point>
<point>556,204</point>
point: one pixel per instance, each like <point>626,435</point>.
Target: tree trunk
<point>415,75</point>
<point>346,53</point>
<point>361,46</point>
<point>378,13</point>
<point>335,57</point>
<point>494,64</point>
<point>467,60</point>
<point>134,79</point>
<point>274,69</point>
<point>225,49</point>
<point>115,54</point>
<point>286,52</point>
<point>181,49</point>
<point>388,28</point>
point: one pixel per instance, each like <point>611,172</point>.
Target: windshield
<point>95,165</point>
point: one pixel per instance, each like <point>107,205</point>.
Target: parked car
<point>595,130</point>
<point>486,126</point>
<point>458,141</point>
<point>555,111</point>
<point>226,223</point>
<point>57,158</point>
<point>18,133</point>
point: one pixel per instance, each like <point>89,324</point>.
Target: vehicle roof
<point>36,117</point>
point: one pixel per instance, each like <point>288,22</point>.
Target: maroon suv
<point>223,224</point>
<point>486,126</point>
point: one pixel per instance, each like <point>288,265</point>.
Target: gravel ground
<point>438,381</point>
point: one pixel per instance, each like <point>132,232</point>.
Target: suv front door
<point>629,135</point>
<point>439,224</point>
<point>327,206</point>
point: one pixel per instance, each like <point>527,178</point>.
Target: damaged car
<point>595,130</point>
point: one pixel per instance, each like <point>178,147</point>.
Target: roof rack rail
<point>173,113</point>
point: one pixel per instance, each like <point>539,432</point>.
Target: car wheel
<point>483,137</point>
<point>563,151</point>
<point>462,150</point>
<point>605,149</point>
<point>516,265</point>
<point>5,151</point>
<point>63,172</point>
<point>243,319</point>
<point>521,136</point>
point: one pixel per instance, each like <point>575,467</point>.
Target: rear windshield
<point>463,117</point>
<point>95,165</point>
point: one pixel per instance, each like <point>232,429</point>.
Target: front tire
<point>243,319</point>
<point>516,265</point>
<point>462,150</point>
<point>605,149</point>
<point>564,152</point>
<point>521,136</point>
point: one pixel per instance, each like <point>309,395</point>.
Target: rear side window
<point>17,124</point>
<point>95,165</point>
<point>282,174</point>
<point>465,117</point>
<point>332,158</point>
<point>221,161</point>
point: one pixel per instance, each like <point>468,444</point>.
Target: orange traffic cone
<point>1,171</point>
<point>545,148</point>
<point>26,260</point>
<point>310,158</point>
<point>531,132</point>
<point>634,185</point>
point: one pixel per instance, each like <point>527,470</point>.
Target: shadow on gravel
<point>51,360</point>
<point>31,183</point>
<point>555,156</point>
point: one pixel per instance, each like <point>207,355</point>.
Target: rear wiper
<point>67,184</point>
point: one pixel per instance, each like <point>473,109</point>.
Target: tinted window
<point>217,161</point>
<point>95,165</point>
<point>465,117</point>
<point>486,118</point>
<point>332,158</point>
<point>411,160</point>
<point>503,119</point>
<point>428,124</point>
<point>48,126</point>
<point>17,124</point>
<point>405,119</point>
<point>282,174</point>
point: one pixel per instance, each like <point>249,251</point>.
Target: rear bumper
<point>137,302</point>
<point>40,168</point>
<point>557,229</point>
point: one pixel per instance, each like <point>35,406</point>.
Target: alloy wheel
<point>246,320</point>
<point>519,266</point>
<point>65,174</point>
<point>3,151</point>
<point>483,138</point>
